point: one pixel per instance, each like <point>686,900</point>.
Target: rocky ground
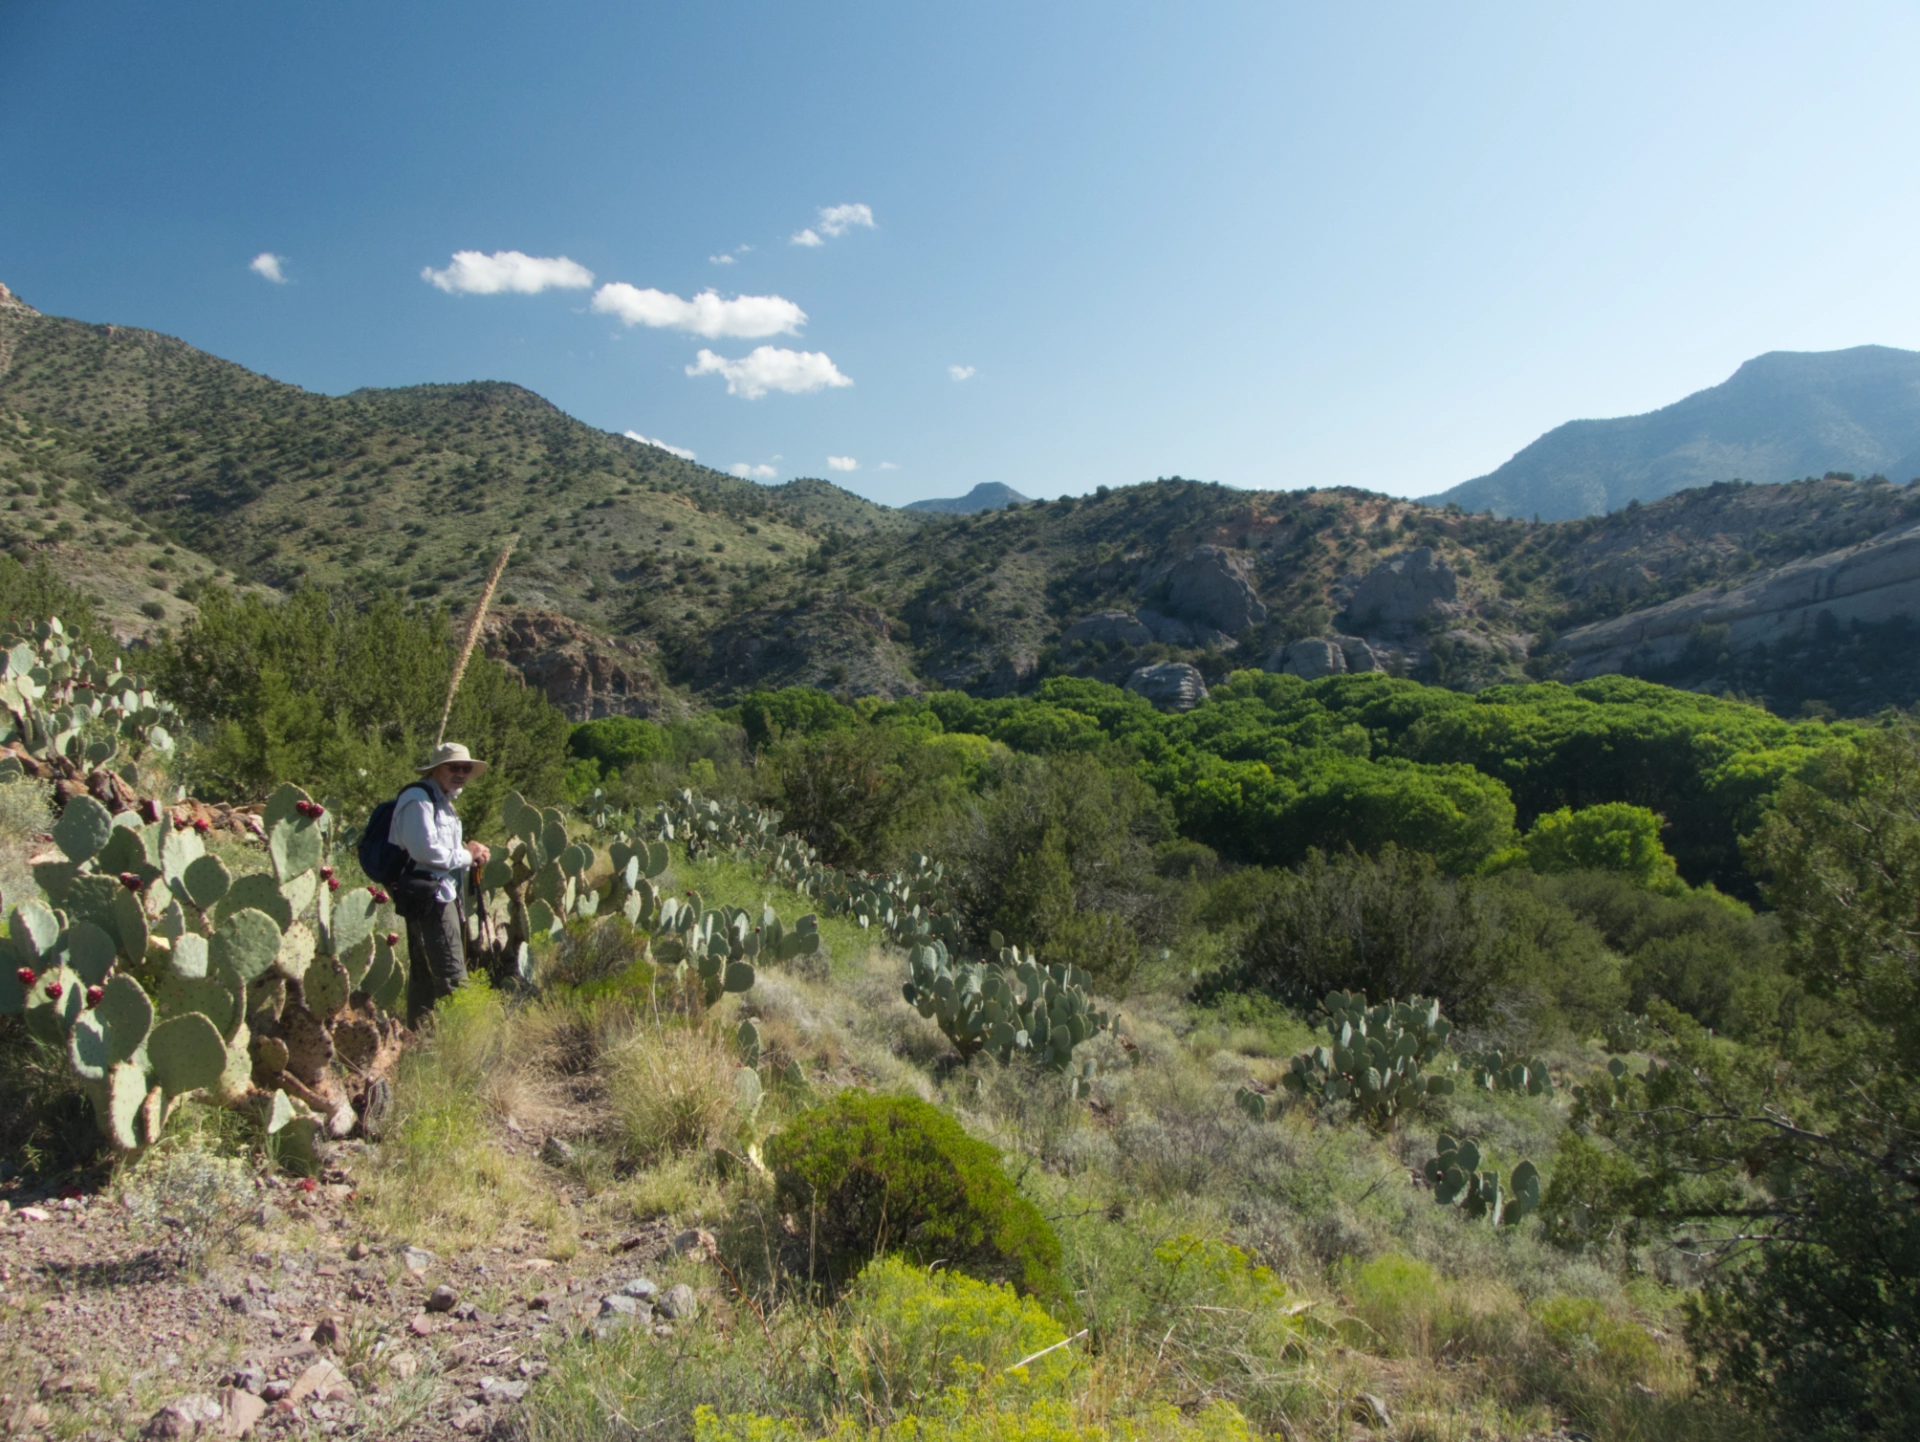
<point>299,1326</point>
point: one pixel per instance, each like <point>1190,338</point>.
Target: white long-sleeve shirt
<point>427,827</point>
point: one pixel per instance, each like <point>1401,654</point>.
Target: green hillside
<point>735,585</point>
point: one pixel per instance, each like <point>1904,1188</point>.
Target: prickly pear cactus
<point>70,718</point>
<point>544,879</point>
<point>1011,1006</point>
<point>1381,1058</point>
<point>162,975</point>
<point>1495,1071</point>
<point>1456,1180</point>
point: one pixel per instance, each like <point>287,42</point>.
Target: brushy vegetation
<point>1694,915</point>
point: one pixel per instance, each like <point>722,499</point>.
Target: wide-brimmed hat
<point>451,753</point>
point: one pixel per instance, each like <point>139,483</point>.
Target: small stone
<point>359,1252</point>
<point>696,1239</point>
<point>274,1391</point>
<point>421,1326</point>
<point>641,1287</point>
<point>442,1299</point>
<point>248,1378</point>
<point>39,1214</point>
<point>403,1365</point>
<point>678,1305</point>
<point>239,1413</point>
<point>556,1153</point>
<point>619,1306</point>
<point>497,1390</point>
<point>540,1303</point>
<point>1370,1411</point>
<point>322,1380</point>
<point>416,1259</point>
<point>473,1419</point>
<point>326,1332</point>
<point>183,1418</point>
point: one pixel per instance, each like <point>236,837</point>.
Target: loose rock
<point>442,1299</point>
<point>678,1304</point>
<point>556,1153</point>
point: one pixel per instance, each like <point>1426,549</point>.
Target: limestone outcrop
<point>1111,628</point>
<point>1325,656</point>
<point>1413,586</point>
<point>586,675</point>
<point>1874,581</point>
<point>1170,686</point>
<point>1211,586</point>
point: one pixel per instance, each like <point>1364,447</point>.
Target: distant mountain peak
<point>1780,416</point>
<point>987,496</point>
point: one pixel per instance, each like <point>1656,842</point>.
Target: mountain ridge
<point>1781,416</point>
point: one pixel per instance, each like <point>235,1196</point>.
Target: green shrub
<point>1585,1329</point>
<point>794,711</point>
<point>1610,837</point>
<point>1040,1421</point>
<point>617,742</point>
<point>918,1332</point>
<point>864,1175</point>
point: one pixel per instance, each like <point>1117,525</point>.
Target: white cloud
<point>746,317</point>
<point>719,260</point>
<point>960,373</point>
<point>680,451</point>
<point>842,463</point>
<point>839,219</point>
<point>770,368</point>
<point>835,221</point>
<point>888,466</point>
<point>507,270</point>
<point>749,472</point>
<point>268,264</point>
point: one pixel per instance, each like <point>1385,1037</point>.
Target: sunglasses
<point>459,768</point>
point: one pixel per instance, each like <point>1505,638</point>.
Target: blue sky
<point>1267,244</point>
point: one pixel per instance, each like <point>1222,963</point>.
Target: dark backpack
<point>384,862</point>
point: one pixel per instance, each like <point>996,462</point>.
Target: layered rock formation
<point>1170,686</point>
<point>1876,581</point>
<point>1411,587</point>
<point>1326,656</point>
<point>1212,587</point>
<point>586,675</point>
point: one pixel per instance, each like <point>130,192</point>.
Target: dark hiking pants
<point>436,957</point>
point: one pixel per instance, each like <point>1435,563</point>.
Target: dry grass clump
<point>442,1173</point>
<point>672,1091</point>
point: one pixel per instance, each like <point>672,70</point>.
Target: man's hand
<point>478,852</point>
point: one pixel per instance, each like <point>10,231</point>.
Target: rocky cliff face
<point>586,675</point>
<point>1871,583</point>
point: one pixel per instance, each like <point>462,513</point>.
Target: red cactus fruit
<point>333,883</point>
<point>326,873</point>
<point>393,938</point>
<point>27,978</point>
<point>54,989</point>
<point>94,993</point>
<point>202,825</point>
<point>308,1184</point>
<point>379,895</point>
<point>131,880</point>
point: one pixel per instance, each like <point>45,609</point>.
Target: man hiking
<point>427,828</point>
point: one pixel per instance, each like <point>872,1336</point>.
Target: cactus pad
<point>257,892</point>
<point>249,942</point>
<point>83,828</point>
<point>186,1053</point>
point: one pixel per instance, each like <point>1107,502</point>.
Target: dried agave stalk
<point>472,638</point>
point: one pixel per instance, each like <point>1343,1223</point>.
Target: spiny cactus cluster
<point>721,946</point>
<point>1380,1058</point>
<point>162,974</point>
<point>64,714</point>
<point>1456,1180</point>
<point>535,883</point>
<point>905,907</point>
<point>1012,1006</point>
<point>542,879</point>
<point>1495,1071</point>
